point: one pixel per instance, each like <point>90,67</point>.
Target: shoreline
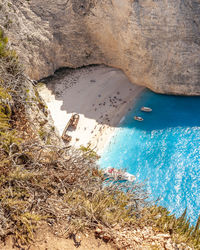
<point>109,131</point>
<point>99,94</point>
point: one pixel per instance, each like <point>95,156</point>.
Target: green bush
<point>3,44</point>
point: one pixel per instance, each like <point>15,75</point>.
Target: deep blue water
<point>163,150</point>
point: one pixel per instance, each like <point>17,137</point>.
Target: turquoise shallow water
<point>163,150</point>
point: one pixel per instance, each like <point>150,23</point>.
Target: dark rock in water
<point>156,43</point>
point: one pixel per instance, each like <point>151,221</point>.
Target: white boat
<point>146,109</point>
<point>138,118</point>
<point>118,174</point>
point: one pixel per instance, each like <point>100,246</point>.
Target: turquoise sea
<point>163,151</point>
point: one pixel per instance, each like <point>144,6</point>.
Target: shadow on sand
<point>99,92</point>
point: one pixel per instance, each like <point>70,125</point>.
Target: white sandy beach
<point>100,95</point>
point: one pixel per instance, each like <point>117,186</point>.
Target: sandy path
<point>99,94</point>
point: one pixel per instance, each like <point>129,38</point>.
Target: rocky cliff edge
<point>155,42</point>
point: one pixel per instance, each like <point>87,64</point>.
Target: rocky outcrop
<point>155,42</point>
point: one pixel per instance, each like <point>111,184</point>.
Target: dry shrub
<point>58,185</point>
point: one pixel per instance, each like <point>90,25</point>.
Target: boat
<point>72,124</point>
<point>138,118</point>
<point>118,174</point>
<point>146,109</point>
<point>66,138</point>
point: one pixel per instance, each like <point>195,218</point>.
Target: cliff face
<point>155,42</point>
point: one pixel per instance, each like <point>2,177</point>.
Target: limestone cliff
<point>155,42</point>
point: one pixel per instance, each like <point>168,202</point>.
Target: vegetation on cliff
<point>40,182</point>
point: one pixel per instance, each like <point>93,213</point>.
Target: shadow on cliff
<point>168,111</point>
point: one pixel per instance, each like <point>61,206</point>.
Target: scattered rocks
<point>106,237</point>
<point>140,239</point>
<point>68,158</point>
<point>98,231</point>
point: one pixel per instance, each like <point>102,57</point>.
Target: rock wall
<point>155,42</point>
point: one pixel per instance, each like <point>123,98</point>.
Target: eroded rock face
<point>155,42</point>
